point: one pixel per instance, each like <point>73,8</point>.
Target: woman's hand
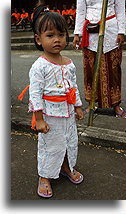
<point>120,40</point>
<point>42,126</point>
<point>76,41</point>
<point>79,112</point>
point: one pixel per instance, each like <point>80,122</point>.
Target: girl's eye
<point>49,35</point>
<point>62,34</point>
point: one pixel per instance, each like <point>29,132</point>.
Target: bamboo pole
<point>97,62</point>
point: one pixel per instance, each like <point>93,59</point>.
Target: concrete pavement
<point>103,169</point>
<point>101,159</point>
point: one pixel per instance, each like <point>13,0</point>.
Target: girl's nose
<point>56,38</point>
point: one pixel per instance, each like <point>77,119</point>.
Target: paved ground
<point>104,170</point>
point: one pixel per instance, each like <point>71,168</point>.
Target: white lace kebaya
<point>43,80</point>
<point>91,10</point>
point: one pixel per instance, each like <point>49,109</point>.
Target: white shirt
<point>42,81</point>
<point>91,10</point>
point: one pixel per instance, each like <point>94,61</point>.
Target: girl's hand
<point>120,40</point>
<point>42,126</point>
<point>79,112</point>
<point>76,41</point>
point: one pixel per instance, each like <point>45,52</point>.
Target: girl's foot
<point>44,188</point>
<point>120,112</point>
<point>75,177</point>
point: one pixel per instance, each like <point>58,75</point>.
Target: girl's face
<point>52,40</point>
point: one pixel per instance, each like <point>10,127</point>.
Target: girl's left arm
<point>78,104</point>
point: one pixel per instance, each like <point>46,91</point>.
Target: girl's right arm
<point>41,125</point>
<point>37,82</point>
<point>36,78</point>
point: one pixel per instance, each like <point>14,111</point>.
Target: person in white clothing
<point>109,86</point>
<point>54,100</point>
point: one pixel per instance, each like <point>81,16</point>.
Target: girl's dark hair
<point>43,19</point>
<point>38,12</point>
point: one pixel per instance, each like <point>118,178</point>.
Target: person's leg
<point>23,24</point>
<point>114,59</point>
<point>103,93</point>
<point>109,88</point>
<point>44,187</point>
<point>65,168</point>
<point>51,152</point>
<point>119,111</point>
<point>70,158</point>
<point>88,68</point>
<point>70,22</point>
<point>13,20</point>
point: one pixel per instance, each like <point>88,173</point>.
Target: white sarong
<point>61,139</point>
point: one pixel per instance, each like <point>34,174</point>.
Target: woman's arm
<point>120,15</point>
<point>80,16</point>
<point>79,22</point>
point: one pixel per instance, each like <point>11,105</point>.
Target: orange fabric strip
<point>55,98</point>
<point>20,97</point>
<point>70,97</point>
<point>33,122</point>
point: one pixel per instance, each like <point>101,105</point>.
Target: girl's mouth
<point>56,46</point>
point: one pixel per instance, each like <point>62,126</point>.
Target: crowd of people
<point>23,17</point>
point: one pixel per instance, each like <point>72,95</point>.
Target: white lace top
<point>42,81</point>
<point>91,10</point>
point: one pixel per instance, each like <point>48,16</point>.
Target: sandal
<point>46,186</point>
<point>122,114</point>
<point>72,180</point>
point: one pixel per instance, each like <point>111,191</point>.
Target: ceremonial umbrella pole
<point>97,62</point>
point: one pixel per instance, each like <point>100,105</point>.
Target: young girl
<point>54,97</point>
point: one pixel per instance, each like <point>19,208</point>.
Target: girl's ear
<point>37,39</point>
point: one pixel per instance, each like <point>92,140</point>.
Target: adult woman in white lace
<point>109,88</point>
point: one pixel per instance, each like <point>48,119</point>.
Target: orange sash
<point>70,97</point>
